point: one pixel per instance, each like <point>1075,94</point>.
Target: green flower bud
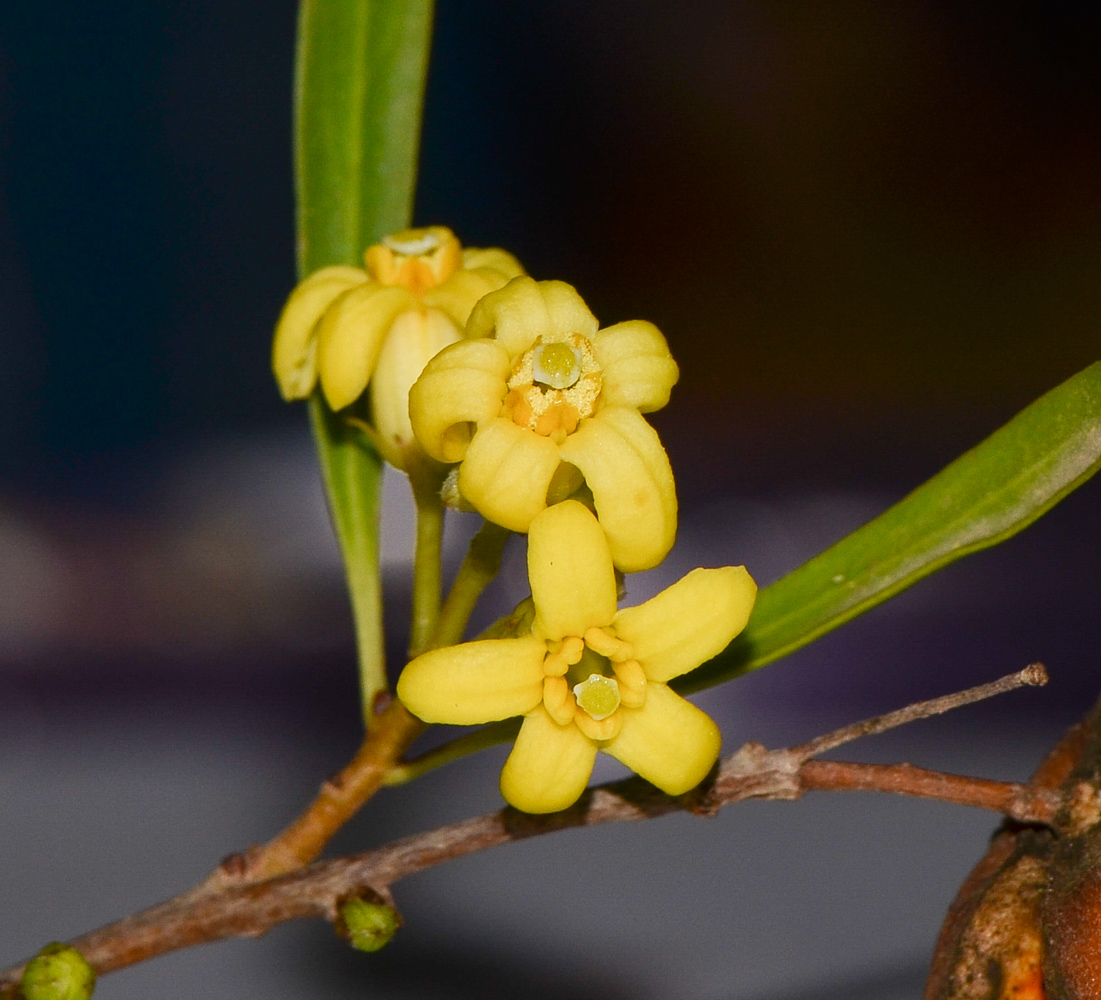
<point>367,924</point>
<point>58,972</point>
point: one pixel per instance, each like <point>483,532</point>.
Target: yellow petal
<point>464,384</point>
<point>349,338</point>
<point>475,682</point>
<point>462,290</point>
<point>506,472</point>
<point>514,316</point>
<point>294,351</point>
<point>549,766</point>
<point>413,340</point>
<point>669,742</point>
<point>689,622</point>
<point>495,258</point>
<point>639,371</point>
<point>567,311</point>
<point>570,570</point>
<point>627,470</point>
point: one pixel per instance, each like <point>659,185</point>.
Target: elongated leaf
<point>982,498</point>
<point>359,87</point>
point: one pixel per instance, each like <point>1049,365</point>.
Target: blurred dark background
<point>871,233</point>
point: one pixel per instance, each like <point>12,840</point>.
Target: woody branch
<point>215,911</point>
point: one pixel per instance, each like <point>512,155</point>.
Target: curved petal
<point>506,473</point>
<point>514,316</point>
<point>462,290</point>
<point>294,350</point>
<point>549,766</point>
<point>626,467</point>
<point>669,742</point>
<point>689,622</point>
<point>570,570</point>
<point>462,385</point>
<point>350,336</point>
<point>567,311</point>
<point>412,341</point>
<point>495,258</point>
<point>475,682</point>
<point>639,371</point>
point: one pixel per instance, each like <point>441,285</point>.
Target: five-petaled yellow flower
<point>589,677</point>
<point>537,398</point>
<point>382,323</point>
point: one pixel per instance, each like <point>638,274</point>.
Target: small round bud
<point>58,972</point>
<point>367,925</point>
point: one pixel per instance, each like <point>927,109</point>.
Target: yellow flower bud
<point>58,972</point>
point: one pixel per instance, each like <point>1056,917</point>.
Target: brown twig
<point>238,905</point>
<point>1034,675</point>
<point>339,798</point>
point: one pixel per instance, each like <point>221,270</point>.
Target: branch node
<point>234,866</point>
<point>1035,675</point>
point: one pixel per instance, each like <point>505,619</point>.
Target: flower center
<point>598,696</point>
<point>587,680</point>
<point>415,259</point>
<point>553,386</point>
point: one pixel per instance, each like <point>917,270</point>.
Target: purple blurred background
<point>871,233</point>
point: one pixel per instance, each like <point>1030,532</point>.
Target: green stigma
<point>598,696</point>
<point>556,365</point>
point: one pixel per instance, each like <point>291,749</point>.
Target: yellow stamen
<point>558,701</point>
<point>573,647</point>
<point>608,645</point>
<point>563,655</point>
<point>605,729</point>
<point>632,683</point>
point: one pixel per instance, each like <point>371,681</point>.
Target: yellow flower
<point>589,677</point>
<point>538,398</point>
<point>382,323</point>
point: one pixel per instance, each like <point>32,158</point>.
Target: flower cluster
<point>539,412</point>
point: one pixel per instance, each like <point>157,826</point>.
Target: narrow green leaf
<point>352,474</point>
<point>359,90</point>
<point>984,497</point>
<point>359,87</point>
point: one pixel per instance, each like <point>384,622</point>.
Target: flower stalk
<point>425,480</point>
<point>479,567</point>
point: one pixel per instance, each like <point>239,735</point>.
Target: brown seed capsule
<point>1072,919</point>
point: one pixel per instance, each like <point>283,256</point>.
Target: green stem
<point>481,565</point>
<point>481,739</point>
<point>427,571</point>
